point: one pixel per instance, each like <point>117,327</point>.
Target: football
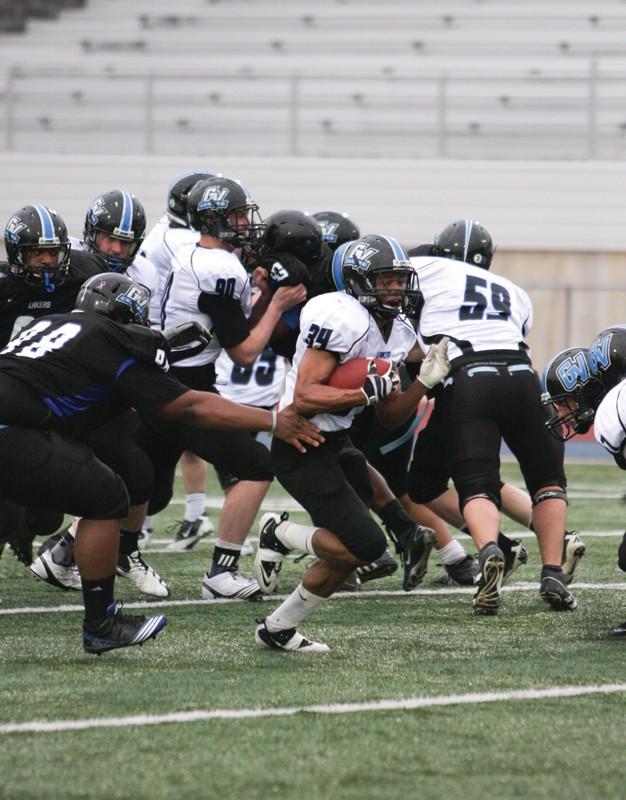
<point>351,374</point>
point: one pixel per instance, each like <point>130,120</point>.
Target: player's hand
<point>436,365</point>
<point>289,296</point>
<point>260,280</point>
<point>297,431</point>
<point>377,387</point>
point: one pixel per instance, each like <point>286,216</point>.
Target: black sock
<point>397,522</point>
<point>551,569</point>
<point>97,596</point>
<point>504,543</point>
<point>129,542</point>
<point>224,560</point>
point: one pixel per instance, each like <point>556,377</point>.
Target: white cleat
<point>63,577</point>
<point>247,548</point>
<point>288,640</point>
<point>146,579</point>
<point>230,586</point>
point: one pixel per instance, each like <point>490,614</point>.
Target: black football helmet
<point>120,215</point>
<point>210,205</point>
<point>115,296</point>
<point>466,240</point>
<point>607,356</point>
<point>572,390</point>
<point>178,192</point>
<point>37,228</point>
<point>337,228</point>
<point>296,233</point>
<point>374,256</point>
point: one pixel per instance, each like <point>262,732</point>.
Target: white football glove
<point>436,365</point>
<point>377,387</point>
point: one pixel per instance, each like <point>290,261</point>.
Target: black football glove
<point>185,340</point>
<point>377,387</point>
<point>283,269</point>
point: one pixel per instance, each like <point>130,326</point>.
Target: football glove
<point>436,365</point>
<point>185,340</point>
<point>283,269</point>
<point>377,387</point>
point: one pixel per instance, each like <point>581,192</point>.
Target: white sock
<point>296,537</point>
<point>451,553</point>
<point>227,545</point>
<point>294,609</point>
<point>194,505</point>
<point>147,523</point>
<point>74,526</point>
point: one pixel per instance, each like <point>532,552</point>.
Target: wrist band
<point>274,420</point>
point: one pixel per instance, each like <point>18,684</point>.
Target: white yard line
<point>515,587</point>
<point>408,704</point>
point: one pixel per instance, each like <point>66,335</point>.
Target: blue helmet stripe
<point>398,251</point>
<point>47,223</point>
<point>337,266</point>
<point>126,219</point>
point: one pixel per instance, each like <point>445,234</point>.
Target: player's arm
<point>207,410</point>
<point>395,409</point>
<point>232,328</point>
<point>312,395</point>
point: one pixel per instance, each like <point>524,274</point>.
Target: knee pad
<point>372,545</point>
<point>493,497</point>
<point>549,494</point>
<point>118,504</point>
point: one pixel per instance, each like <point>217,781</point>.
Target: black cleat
<point>288,640</point>
<point>488,581</point>
<point>381,568</point>
<point>351,584</point>
<point>120,630</point>
<point>553,589</point>
<point>463,572</point>
<point>415,554</point>
<point>515,554</point>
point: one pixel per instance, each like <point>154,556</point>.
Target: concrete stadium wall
<point>559,226</point>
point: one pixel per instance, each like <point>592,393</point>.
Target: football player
<point>491,389</point>
<point>468,241</point>
<point>332,483</point>
<point>210,285</point>
<point>114,229</point>
<point>61,377</point>
<point>588,386</point>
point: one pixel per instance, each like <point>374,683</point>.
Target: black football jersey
<point>83,369</point>
<point>20,303</point>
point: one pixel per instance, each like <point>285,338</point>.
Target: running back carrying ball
<point>352,374</point>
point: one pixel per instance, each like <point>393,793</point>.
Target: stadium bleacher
<point>463,78</point>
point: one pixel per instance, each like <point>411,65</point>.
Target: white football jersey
<point>477,309</point>
<point>161,246</point>
<point>337,322</point>
<point>141,271</point>
<point>261,384</point>
<point>610,420</point>
<point>209,271</point>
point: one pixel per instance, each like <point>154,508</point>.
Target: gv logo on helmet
<point>573,371</point>
<point>214,197</point>
<point>361,255</point>
<point>14,227</point>
<point>599,356</point>
<point>329,230</point>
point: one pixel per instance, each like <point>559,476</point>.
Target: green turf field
<point>386,646</point>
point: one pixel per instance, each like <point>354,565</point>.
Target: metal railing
<point>579,116</point>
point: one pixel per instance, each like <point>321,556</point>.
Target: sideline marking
<point>408,704</point>
<point>532,586</point>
